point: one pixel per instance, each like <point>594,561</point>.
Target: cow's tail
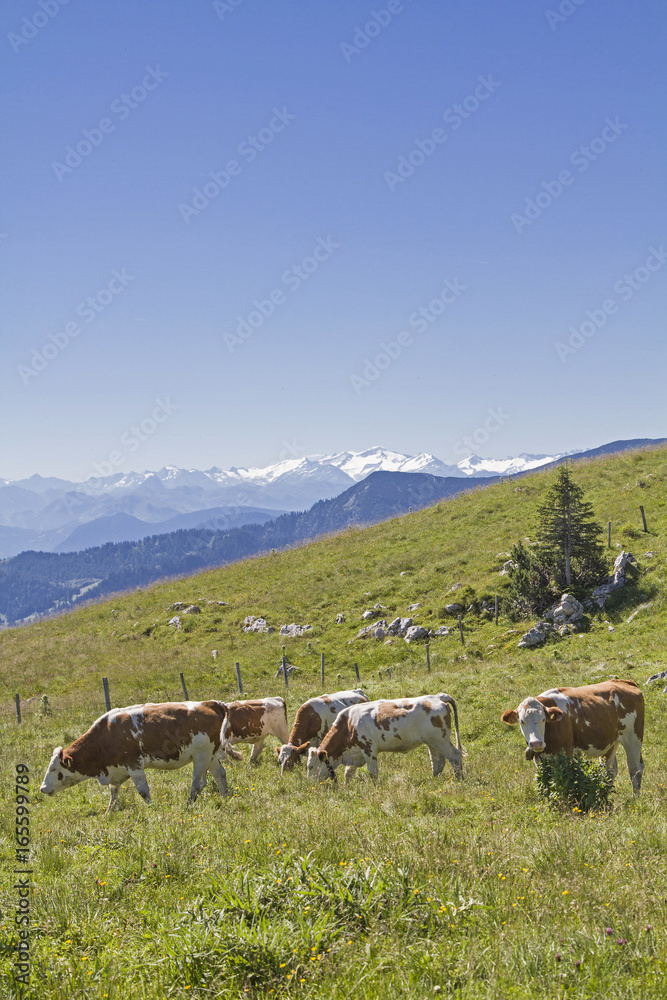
<point>226,749</point>
<point>450,701</point>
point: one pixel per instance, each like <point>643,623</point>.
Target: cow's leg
<point>141,785</point>
<point>350,772</point>
<point>633,751</point>
<point>437,761</point>
<point>256,750</point>
<point>610,761</point>
<point>200,767</point>
<point>219,775</point>
<point>455,758</point>
<point>372,767</point>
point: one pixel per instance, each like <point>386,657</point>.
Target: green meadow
<point>411,888</point>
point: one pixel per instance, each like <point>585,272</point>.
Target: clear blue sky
<point>314,104</point>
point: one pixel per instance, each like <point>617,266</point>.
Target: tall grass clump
<point>574,782</point>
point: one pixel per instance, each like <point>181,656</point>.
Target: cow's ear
<point>322,755</point>
<point>65,760</point>
<point>554,714</point>
<point>511,717</point>
<point>304,748</point>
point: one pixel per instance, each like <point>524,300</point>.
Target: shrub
<point>574,782</point>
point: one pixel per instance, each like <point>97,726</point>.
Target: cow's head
<point>319,765</point>
<point>288,755</point>
<point>532,717</point>
<point>60,773</point>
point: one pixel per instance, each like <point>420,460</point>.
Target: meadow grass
<point>410,888</point>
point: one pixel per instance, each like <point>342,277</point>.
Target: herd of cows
<point>344,728</point>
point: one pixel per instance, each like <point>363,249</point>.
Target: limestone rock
<point>177,605</point>
<point>294,631</point>
<point>194,609</point>
<point>443,630</point>
<point>367,614</point>
<point>252,624</point>
<point>567,611</point>
<point>416,632</point>
<point>536,635</point>
<point>340,619</point>
<point>413,607</point>
<point>453,609</point>
<point>175,621</point>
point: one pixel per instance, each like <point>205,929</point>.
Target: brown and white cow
<point>252,721</point>
<point>361,732</point>
<point>313,719</point>
<point>125,741</point>
<point>594,719</point>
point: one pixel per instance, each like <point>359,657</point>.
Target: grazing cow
<point>125,741</point>
<point>594,719</point>
<point>253,721</point>
<point>361,732</point>
<point>312,721</point>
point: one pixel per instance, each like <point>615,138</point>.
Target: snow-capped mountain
<point>42,512</point>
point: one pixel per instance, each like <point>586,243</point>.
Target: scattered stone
<point>340,619</point>
<point>453,609</point>
<point>252,624</point>
<point>289,668</point>
<point>194,609</point>
<point>379,607</point>
<point>175,621</point>
<point>367,614</point>
<point>649,555</point>
<point>657,677</point>
<point>177,605</point>
<point>415,633</point>
<point>413,607</point>
<point>456,586</point>
<point>214,654</point>
<point>507,566</point>
<point>601,593</point>
<point>404,572</point>
<point>373,629</point>
<point>294,631</point>
<point>536,635</point>
<point>443,630</point>
<point>567,611</point>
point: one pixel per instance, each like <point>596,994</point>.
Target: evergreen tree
<point>568,536</point>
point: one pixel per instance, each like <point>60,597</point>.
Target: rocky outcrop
<point>616,580</point>
<point>194,609</point>
<point>568,611</point>
<point>415,633</point>
<point>538,634</point>
<point>295,631</point>
<point>252,624</point>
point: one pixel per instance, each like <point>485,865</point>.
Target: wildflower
<point>609,932</point>
<point>621,940</point>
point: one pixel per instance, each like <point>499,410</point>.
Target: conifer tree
<point>568,536</point>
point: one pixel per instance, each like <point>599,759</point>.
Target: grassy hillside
<point>407,889</point>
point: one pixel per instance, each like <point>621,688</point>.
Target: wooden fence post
<point>238,677</point>
<point>641,511</point>
<point>461,629</point>
<point>285,670</point>
<point>495,609</point>
<point>17,699</point>
<point>322,669</point>
<point>185,690</point>
<point>428,657</point>
<point>608,534</point>
<point>107,699</point>
<point>356,670</point>
<point>389,672</point>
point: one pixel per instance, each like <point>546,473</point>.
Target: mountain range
<point>56,515</point>
<point>38,583</point>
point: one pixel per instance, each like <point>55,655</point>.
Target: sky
<point>240,231</point>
